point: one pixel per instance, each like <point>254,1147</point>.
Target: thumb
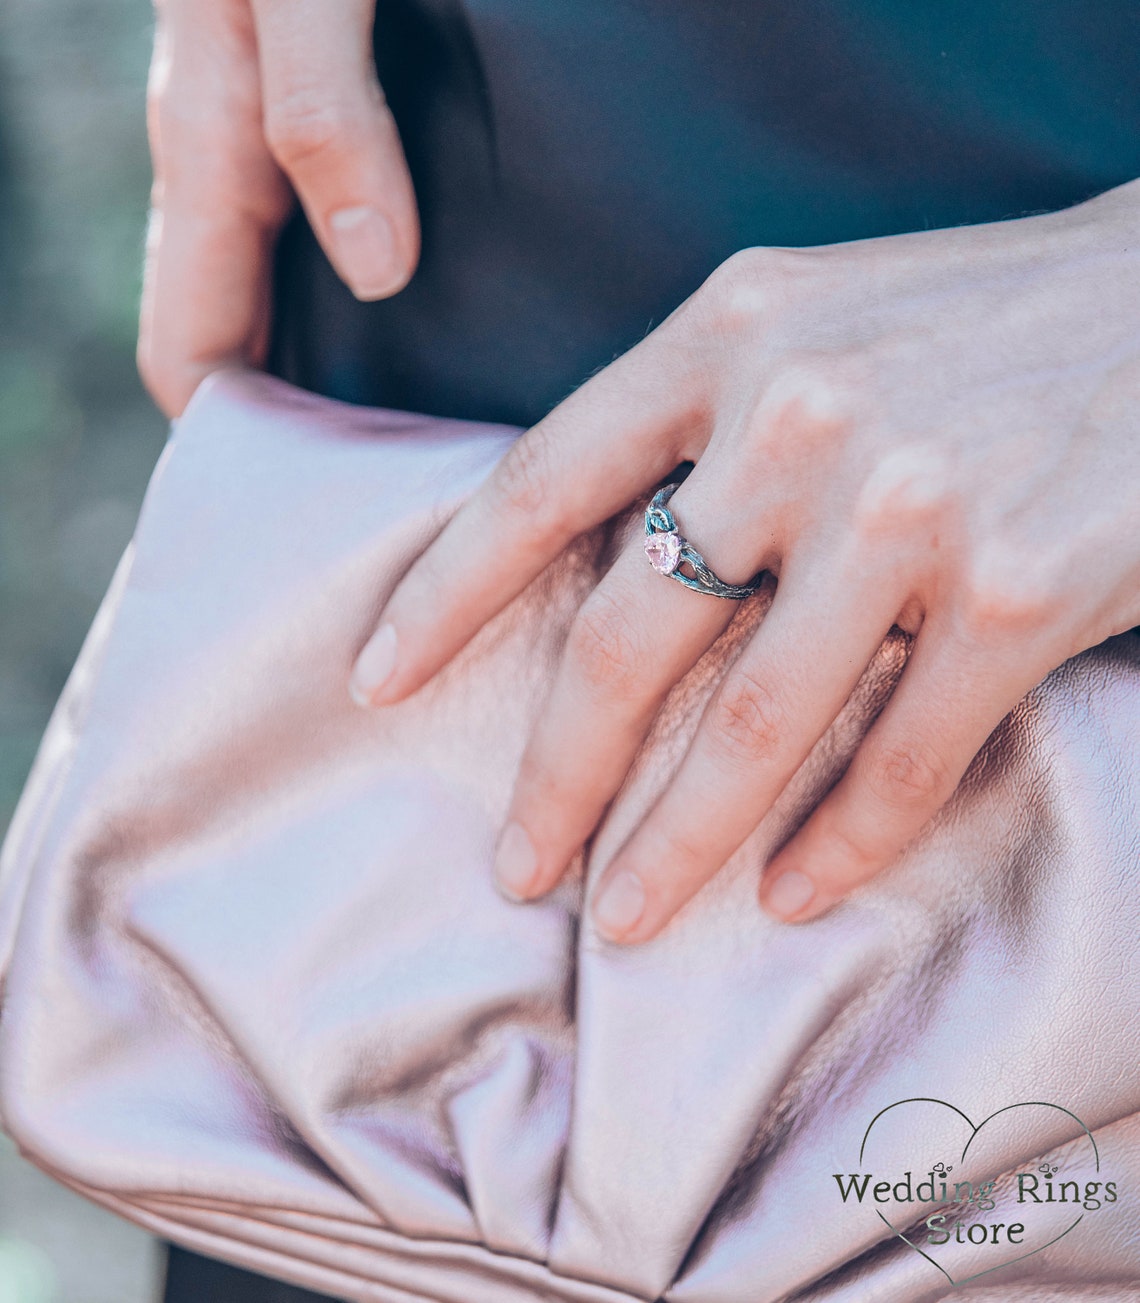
<point>329,128</point>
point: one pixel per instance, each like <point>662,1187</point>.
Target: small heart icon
<point>965,1197</point>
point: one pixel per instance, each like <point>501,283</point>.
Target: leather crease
<point>260,995</point>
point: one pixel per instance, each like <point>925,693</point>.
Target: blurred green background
<point>78,439</point>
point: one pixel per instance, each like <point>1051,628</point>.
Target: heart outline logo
<point>974,1130</point>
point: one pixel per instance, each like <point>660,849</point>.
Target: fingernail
<point>619,905</point>
<point>365,247</point>
<point>515,862</point>
<point>789,893</point>
<point>374,666</point>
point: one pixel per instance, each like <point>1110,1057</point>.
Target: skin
<point>935,430</point>
<point>253,105</point>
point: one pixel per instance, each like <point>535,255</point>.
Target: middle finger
<point>633,639</point>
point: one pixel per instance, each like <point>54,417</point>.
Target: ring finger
<point>633,639</point>
<point>775,702</point>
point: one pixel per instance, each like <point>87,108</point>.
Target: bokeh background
<point>78,439</point>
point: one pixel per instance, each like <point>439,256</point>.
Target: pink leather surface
<point>259,994</point>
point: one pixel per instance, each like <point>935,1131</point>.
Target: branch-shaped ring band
<point>668,551</point>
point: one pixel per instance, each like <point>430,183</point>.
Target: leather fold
<point>260,995</point>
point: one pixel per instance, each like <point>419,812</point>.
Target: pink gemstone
<point>663,551</point>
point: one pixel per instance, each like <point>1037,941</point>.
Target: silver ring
<point>667,551</point>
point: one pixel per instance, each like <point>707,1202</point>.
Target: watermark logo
<point>968,1213</point>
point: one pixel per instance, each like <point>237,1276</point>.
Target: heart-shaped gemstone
<point>664,551</point>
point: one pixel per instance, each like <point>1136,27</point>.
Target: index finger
<point>610,441</point>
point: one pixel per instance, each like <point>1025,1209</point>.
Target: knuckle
<point>213,155</point>
<point>523,481</point>
<point>1009,594</point>
<point>911,487</point>
<point>849,853</point>
<point>813,389</point>
<point>684,856</point>
<point>202,104</point>
<point>739,272</point>
<point>748,720</point>
<point>538,786</point>
<point>808,406</point>
<point>755,270</point>
<point>602,647</point>
<point>178,120</point>
<point>429,580</point>
<point>746,286</point>
<point>849,859</point>
<point>307,123</point>
<point>907,774</point>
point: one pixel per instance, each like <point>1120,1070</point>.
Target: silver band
<point>668,551</point>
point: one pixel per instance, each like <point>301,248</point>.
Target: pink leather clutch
<point>260,995</point>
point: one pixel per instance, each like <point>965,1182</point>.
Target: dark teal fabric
<point>582,165</point>
<point>191,1278</point>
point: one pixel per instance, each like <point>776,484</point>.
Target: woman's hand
<point>251,101</point>
<point>938,430</point>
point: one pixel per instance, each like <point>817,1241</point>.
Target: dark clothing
<point>582,165</point>
<point>191,1278</point>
